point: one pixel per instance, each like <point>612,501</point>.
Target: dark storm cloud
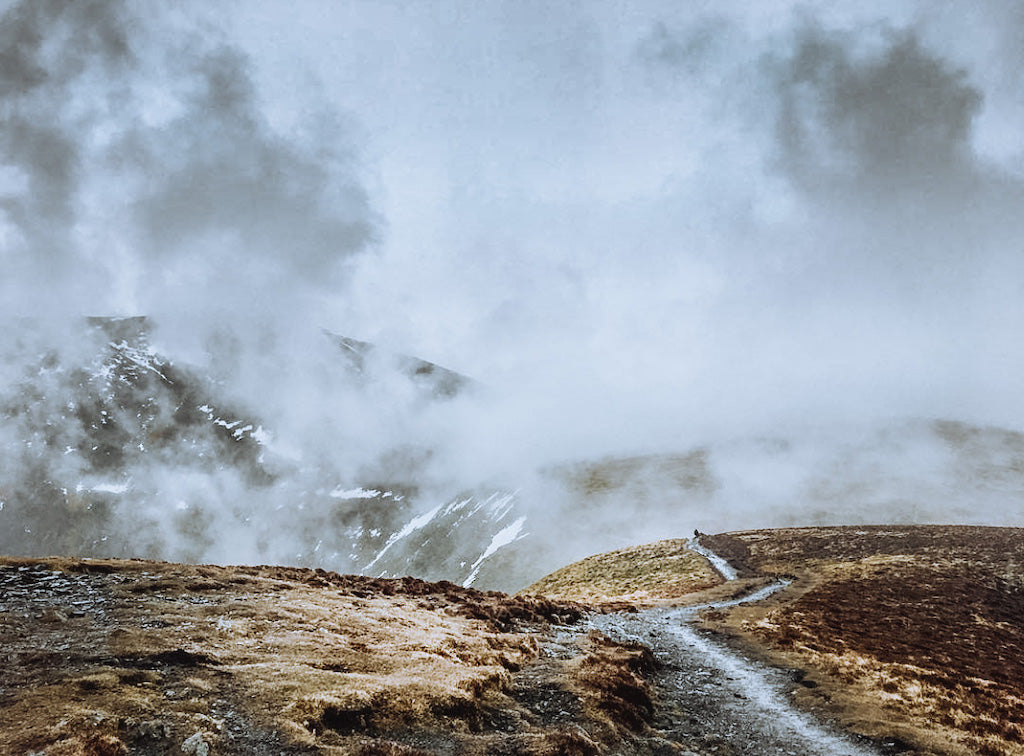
<point>893,117</point>
<point>44,47</point>
<point>876,132</point>
<point>220,170</point>
<point>688,50</point>
<point>129,125</point>
<point>872,104</point>
<point>872,131</point>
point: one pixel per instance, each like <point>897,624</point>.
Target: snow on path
<point>725,569</point>
<point>760,699</point>
<point>713,697</point>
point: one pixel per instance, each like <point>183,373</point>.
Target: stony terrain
<point>853,640</point>
<point>107,657</point>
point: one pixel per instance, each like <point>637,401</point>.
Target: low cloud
<point>141,174</point>
<point>657,232</point>
<point>890,117</point>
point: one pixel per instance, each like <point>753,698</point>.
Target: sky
<point>654,221</point>
<point>641,225</point>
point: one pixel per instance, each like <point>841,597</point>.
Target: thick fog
<point>648,224</point>
<point>639,228</point>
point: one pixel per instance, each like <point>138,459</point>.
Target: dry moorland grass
<point>655,572</point>
<point>106,657</point>
<point>912,632</point>
<point>915,631</point>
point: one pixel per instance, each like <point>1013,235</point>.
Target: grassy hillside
<point>918,628</point>
<point>111,657</point>
<point>912,632</point>
<point>655,572</point>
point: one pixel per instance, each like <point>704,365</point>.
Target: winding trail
<point>725,569</point>
<point>714,700</point>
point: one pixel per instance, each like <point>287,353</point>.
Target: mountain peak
<point>133,329</point>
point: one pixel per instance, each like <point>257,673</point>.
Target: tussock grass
<point>652,572</point>
<point>916,630</point>
<point>111,657</point>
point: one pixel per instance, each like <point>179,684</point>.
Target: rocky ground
<point>109,657</point>
<point>712,700</point>
<point>828,641</point>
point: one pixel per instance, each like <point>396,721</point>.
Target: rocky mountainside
<point>79,436</point>
<point>114,448</point>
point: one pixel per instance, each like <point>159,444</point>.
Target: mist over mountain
<point>116,450</point>
<point>661,267</point>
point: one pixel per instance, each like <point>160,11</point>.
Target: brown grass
<point>685,471</point>
<point>917,631</point>
<point>914,633</point>
<point>612,679</point>
<point>112,657</point>
<point>642,574</point>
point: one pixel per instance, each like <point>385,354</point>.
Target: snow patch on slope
<point>413,525</point>
<point>238,431</point>
<point>358,493</point>
<point>503,537</point>
<point>110,487</point>
<point>451,541</point>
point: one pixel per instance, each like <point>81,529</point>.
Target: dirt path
<point>714,700</point>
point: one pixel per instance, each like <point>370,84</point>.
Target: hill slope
<point>910,636</point>
<point>913,634</point>
<point>105,658</point>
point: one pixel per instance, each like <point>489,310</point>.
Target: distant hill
<point>114,448</point>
